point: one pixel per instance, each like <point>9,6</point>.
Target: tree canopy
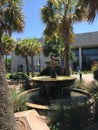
<point>59,17</point>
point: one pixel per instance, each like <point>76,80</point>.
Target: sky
<point>34,26</point>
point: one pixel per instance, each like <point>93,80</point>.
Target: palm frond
<point>92,6</point>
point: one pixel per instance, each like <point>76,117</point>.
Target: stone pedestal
<point>30,120</point>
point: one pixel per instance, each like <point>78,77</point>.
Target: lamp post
<point>39,63</point>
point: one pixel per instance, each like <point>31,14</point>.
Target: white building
<point>85,47</point>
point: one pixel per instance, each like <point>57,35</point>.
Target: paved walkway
<point>86,77</point>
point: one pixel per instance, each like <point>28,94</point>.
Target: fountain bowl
<point>54,87</point>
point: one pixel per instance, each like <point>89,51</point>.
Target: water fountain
<point>56,90</point>
<point>53,86</point>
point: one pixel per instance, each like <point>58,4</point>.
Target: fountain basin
<point>54,87</point>
<point>78,97</point>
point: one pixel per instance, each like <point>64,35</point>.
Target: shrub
<point>93,89</point>
<point>13,76</point>
<point>78,116</point>
<point>75,118</point>
<point>18,76</point>
<point>57,126</point>
<point>46,71</point>
<point>18,101</point>
<point>95,71</point>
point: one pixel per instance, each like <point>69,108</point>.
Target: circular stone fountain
<point>56,90</point>
<point>46,106</point>
<point>53,87</point>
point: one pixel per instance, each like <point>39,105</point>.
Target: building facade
<point>85,48</point>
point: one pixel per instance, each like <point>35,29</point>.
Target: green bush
<point>46,71</point>
<point>75,118</point>
<point>93,88</point>
<point>57,126</point>
<point>18,76</point>
<point>18,100</point>
<point>95,71</point>
<point>96,74</point>
<point>78,116</point>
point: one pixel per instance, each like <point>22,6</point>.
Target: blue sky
<point>34,26</point>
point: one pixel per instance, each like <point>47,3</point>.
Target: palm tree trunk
<point>65,31</point>
<point>6,62</point>
<point>32,63</point>
<point>67,68</point>
<point>27,67</point>
<point>7,120</point>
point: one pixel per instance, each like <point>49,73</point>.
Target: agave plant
<point>18,100</point>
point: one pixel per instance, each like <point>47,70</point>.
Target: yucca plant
<point>18,100</point>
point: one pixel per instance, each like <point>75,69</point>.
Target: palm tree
<point>92,6</point>
<point>34,48</point>
<point>7,46</point>
<point>14,21</point>
<point>7,120</point>
<point>22,49</point>
<point>59,16</point>
<point>28,47</point>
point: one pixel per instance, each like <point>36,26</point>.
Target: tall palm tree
<point>22,49</point>
<point>59,16</point>
<point>34,48</point>
<point>7,120</point>
<point>14,21</point>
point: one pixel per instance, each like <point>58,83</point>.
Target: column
<point>80,58</point>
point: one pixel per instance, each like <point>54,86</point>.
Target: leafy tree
<point>59,17</point>
<point>53,46</point>
<point>7,22</point>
